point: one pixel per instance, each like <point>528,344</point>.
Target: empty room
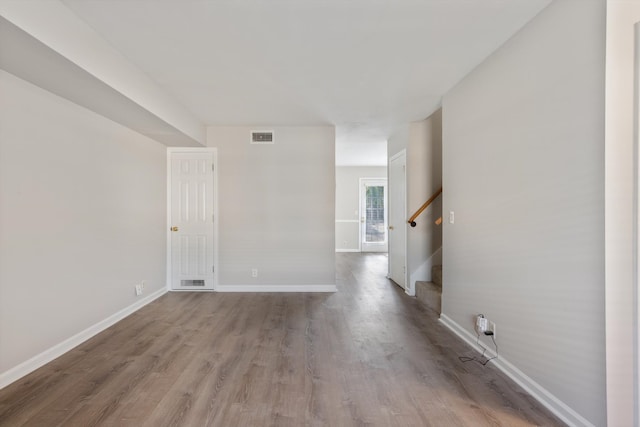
<point>322,213</point>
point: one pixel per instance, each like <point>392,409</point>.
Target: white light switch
<point>452,217</point>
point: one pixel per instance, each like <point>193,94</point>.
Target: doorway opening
<point>373,215</point>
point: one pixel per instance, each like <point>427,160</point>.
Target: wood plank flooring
<point>367,355</point>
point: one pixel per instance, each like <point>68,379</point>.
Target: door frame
<point>361,183</point>
<point>214,155</point>
<point>636,224</point>
<point>401,153</point>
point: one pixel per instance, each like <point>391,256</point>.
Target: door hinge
<point>213,268</point>
<point>213,167</point>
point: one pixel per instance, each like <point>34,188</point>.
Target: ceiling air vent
<point>262,137</point>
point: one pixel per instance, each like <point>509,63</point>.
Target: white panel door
<point>373,215</point>
<point>192,220</point>
<point>398,219</point>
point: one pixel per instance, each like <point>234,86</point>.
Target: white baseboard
<point>58,350</point>
<point>347,250</point>
<point>276,288</point>
<point>551,402</point>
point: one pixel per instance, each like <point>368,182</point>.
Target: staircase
<point>430,293</point>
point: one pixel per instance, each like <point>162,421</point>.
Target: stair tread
<point>429,285</point>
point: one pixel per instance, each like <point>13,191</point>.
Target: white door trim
<point>636,224</point>
<point>214,154</point>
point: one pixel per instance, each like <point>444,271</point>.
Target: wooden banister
<point>412,220</point>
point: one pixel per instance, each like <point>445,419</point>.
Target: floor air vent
<point>262,137</point>
<point>192,283</point>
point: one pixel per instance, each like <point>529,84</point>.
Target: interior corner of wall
<point>423,272</point>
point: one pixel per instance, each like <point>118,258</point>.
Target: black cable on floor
<point>465,359</point>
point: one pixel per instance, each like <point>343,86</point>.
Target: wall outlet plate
<point>139,289</point>
<point>481,323</point>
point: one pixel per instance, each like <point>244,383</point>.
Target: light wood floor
<point>367,355</point>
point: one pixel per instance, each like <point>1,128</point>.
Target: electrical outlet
<point>481,323</point>
<point>139,289</point>
<point>492,328</point>
<point>254,272</point>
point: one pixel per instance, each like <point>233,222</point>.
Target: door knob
<point>391,227</point>
<point>174,228</point>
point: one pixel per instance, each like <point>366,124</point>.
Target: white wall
<point>61,30</point>
<point>82,219</point>
<point>398,140</point>
<point>524,172</point>
<point>348,203</point>
<point>277,207</point>
<point>622,396</point>
<point>423,142</point>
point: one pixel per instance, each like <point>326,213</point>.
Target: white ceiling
<point>364,66</point>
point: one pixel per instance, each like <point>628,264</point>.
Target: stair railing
<point>412,220</point>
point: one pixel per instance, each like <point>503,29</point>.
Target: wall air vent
<point>262,137</point>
